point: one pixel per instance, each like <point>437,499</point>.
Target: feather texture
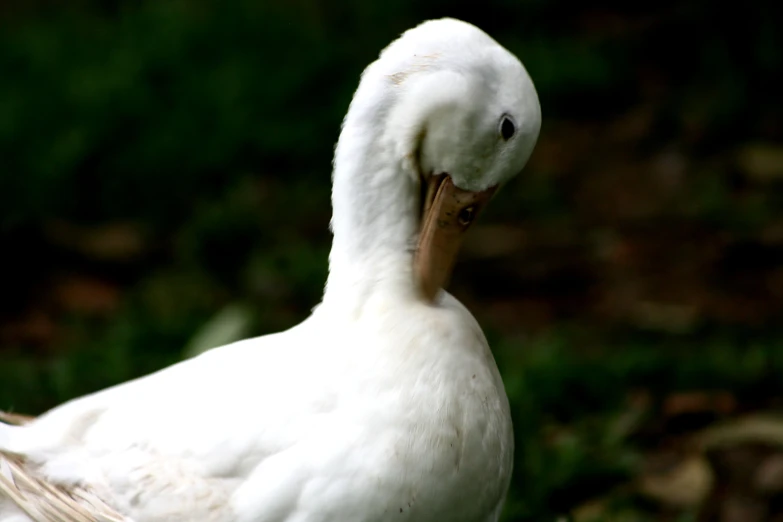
<point>381,405</point>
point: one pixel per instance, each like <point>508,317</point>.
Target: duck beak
<point>448,212</point>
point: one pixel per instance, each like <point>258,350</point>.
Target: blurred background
<point>164,188</point>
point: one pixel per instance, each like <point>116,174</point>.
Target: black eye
<point>466,215</point>
<point>507,128</point>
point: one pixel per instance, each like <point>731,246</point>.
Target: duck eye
<point>507,128</point>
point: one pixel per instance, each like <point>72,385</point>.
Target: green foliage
<point>575,432</point>
<point>209,128</point>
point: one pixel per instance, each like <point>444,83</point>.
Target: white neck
<point>375,201</point>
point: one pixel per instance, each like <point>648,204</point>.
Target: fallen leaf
<point>685,484</point>
<point>698,402</point>
<point>769,476</point>
<point>759,429</point>
<point>110,242</point>
<point>86,295</point>
<point>761,162</point>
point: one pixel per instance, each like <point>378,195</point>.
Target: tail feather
<point>39,499</point>
<point>44,501</point>
<point>14,419</point>
<point>8,422</point>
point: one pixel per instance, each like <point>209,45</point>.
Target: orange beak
<point>448,213</point>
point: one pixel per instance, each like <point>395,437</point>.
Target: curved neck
<point>375,201</point>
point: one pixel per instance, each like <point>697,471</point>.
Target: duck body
<point>379,423</point>
<point>386,403</point>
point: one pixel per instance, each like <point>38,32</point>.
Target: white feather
<point>379,406</point>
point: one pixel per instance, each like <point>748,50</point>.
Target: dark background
<point>164,187</point>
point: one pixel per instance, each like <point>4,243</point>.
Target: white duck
<point>386,403</point>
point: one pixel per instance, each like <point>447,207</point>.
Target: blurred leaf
<point>761,162</point>
<point>233,323</point>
